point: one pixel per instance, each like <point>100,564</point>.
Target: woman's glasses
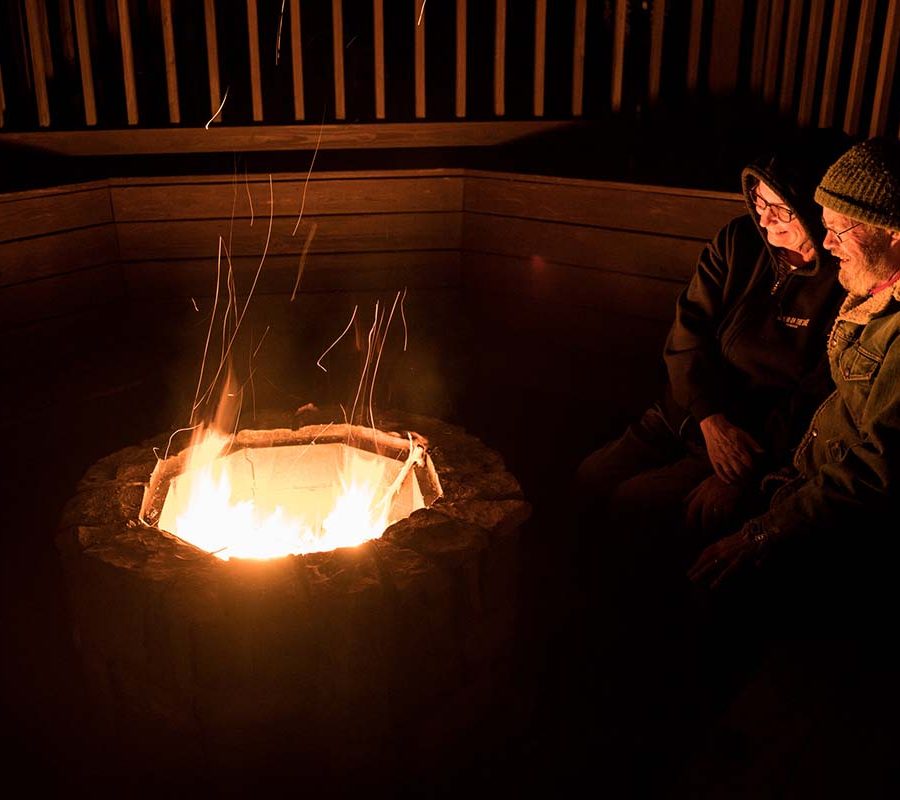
<point>782,212</point>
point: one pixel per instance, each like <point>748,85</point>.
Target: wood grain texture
<point>221,198</point>
<point>652,256</point>
<point>571,290</point>
<point>30,214</point>
<point>148,241</point>
<point>322,272</point>
<point>280,137</point>
<point>603,204</point>
<point>44,256</point>
<point>60,295</point>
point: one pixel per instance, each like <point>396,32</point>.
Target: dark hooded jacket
<point>749,334</point>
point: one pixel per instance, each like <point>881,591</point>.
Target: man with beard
<point>829,521</point>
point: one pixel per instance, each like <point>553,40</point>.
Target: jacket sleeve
<point>692,351</point>
<point>853,487</point>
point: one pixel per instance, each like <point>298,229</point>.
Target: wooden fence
<point>171,65</point>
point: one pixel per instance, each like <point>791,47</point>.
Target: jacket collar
<point>860,309</point>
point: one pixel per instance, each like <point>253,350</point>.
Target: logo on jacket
<point>793,322</point>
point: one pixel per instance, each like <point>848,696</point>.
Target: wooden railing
<point>169,65</point>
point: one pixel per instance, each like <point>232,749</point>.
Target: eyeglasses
<point>782,212</point>
<point>838,234</point>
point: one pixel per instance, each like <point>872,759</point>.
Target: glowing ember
<point>290,500</point>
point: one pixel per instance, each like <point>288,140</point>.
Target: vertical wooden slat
<point>337,46</point>
<point>726,45</point>
<point>858,70</point>
<point>811,62</point>
<point>886,69</point>
<point>2,100</point>
<point>758,61</point>
<point>460,58</point>
<point>618,67</point>
<point>255,77</point>
<point>419,23</point>
<point>773,50</point>
<point>84,60</point>
<point>657,21</point>
<point>578,58</point>
<point>44,28</point>
<point>693,61</point>
<point>832,63</point>
<point>540,54</point>
<point>67,31</point>
<point>297,61</point>
<point>791,47</point>
<point>168,30</point>
<point>37,62</point>
<point>378,14</point>
<point>131,104</point>
<point>212,59</point>
<point>500,58</point>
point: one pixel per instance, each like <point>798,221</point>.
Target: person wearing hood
<point>746,366</point>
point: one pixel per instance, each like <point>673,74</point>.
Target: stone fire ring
<point>382,653</point>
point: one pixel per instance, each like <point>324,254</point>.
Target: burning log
<point>357,658</point>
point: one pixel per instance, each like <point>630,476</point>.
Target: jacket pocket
<point>858,365</point>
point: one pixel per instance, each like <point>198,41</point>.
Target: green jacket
<point>847,462</point>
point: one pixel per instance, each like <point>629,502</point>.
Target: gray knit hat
<point>864,183</point>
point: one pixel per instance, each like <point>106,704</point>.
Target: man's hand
<point>711,504</point>
<point>731,449</point>
<point>724,558</point>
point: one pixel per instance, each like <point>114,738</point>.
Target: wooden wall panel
<point>145,241</point>
<point>678,212</point>
<point>27,214</point>
<point>62,295</point>
<point>322,272</point>
<point>56,254</point>
<point>135,200</point>
<point>598,248</point>
<point>570,286</point>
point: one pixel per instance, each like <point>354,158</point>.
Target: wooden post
<point>255,77</point>
<point>791,46</point>
<point>773,51</point>
<point>760,29</point>
<point>131,104</point>
<point>171,67</point>
<point>618,71</point>
<point>578,58</point>
<point>37,62</point>
<point>337,44</point>
<point>657,22</point>
<point>419,23</point>
<point>67,31</point>
<point>297,60</point>
<point>832,63</point>
<point>212,59</point>
<point>500,58</point>
<point>693,61</point>
<point>726,45</point>
<point>886,68</point>
<point>540,55</point>
<point>858,70</point>
<point>811,62</point>
<point>378,18</point>
<point>460,58</point>
<point>84,62</point>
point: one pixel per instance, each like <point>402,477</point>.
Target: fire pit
<point>377,655</point>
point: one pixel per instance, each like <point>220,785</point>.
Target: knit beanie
<point>864,183</point>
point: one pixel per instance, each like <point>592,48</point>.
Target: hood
<point>793,171</point>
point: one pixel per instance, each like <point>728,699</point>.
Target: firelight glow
<point>271,502</point>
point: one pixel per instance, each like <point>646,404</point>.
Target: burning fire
<point>270,502</point>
